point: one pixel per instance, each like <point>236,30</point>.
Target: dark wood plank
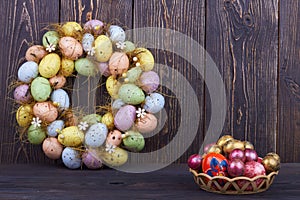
<point>242,38</point>
<point>289,94</point>
<point>22,24</point>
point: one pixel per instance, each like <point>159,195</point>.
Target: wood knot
<point>89,16</point>
<point>227,3</point>
<point>248,20</point>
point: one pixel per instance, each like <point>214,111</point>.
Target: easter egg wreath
<point>45,114</point>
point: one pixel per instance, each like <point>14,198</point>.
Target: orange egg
<point>70,48</point>
<point>146,124</point>
<point>52,148</point>
<point>46,111</point>
<point>35,53</point>
<point>57,81</point>
<point>118,63</point>
<point>114,138</point>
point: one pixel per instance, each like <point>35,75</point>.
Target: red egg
<point>195,161</point>
<point>250,155</point>
<point>215,164</point>
<point>237,154</point>
<point>236,168</point>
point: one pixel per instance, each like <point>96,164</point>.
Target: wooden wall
<point>255,44</point>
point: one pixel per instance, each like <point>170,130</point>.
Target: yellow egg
<point>24,115</point>
<point>67,67</point>
<point>71,136</point>
<point>145,58</point>
<point>103,48</point>
<point>71,29</point>
<point>108,120</point>
<point>114,159</point>
<point>113,86</point>
<point>49,65</point>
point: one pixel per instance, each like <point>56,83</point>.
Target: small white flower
<point>110,148</point>
<point>140,113</point>
<point>91,52</point>
<point>83,126</point>
<point>36,122</point>
<point>50,47</point>
<point>121,45</point>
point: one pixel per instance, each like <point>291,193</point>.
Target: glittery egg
<point>22,94</point>
<point>57,81</point>
<point>118,63</point>
<point>117,104</point>
<point>94,27</point>
<point>71,136</point>
<point>71,158</point>
<point>61,97</point>
<point>125,117</point>
<point>67,67</point>
<point>108,120</point>
<point>145,58</point>
<point>72,29</point>
<point>154,103</point>
<point>85,67</point>
<point>24,115</point>
<point>54,127</point>
<point>115,158</point>
<point>131,94</point>
<point>40,89</point>
<point>113,86</point>
<point>91,160</point>
<point>50,38</point>
<point>116,34</point>
<point>103,48</point>
<point>35,53</point>
<point>146,124</point>
<point>87,42</point>
<point>28,71</point>
<point>52,148</point>
<point>70,48</point>
<point>96,135</point>
<point>92,119</point>
<point>46,111</point>
<point>114,138</point>
<point>104,69</point>
<point>49,65</point>
<point>134,141</point>
<point>133,74</point>
<point>149,81</point>
<point>36,135</point>
<point>129,47</point>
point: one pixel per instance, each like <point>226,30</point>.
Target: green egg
<point>50,37</point>
<point>134,141</point>
<point>103,48</point>
<point>133,74</point>
<point>40,89</point>
<point>131,94</point>
<point>85,67</point>
<point>92,119</point>
<point>129,47</point>
<point>36,135</point>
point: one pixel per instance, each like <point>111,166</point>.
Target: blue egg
<point>28,71</point>
<point>96,135</point>
<point>54,126</point>
<point>154,103</point>
<point>71,158</point>
<point>61,97</point>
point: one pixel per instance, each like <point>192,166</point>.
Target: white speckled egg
<point>96,135</point>
<point>61,97</point>
<point>55,126</point>
<point>22,94</point>
<point>87,42</point>
<point>28,71</point>
<point>116,34</point>
<point>154,103</point>
<point>71,158</point>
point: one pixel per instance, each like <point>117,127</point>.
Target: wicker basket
<point>230,185</point>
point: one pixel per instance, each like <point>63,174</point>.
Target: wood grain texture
<point>289,94</point>
<point>242,38</point>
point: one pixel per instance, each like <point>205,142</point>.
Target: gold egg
<point>238,145</point>
<point>271,164</point>
<point>248,145</point>
<point>108,120</point>
<point>275,155</point>
<point>215,148</point>
<point>224,139</point>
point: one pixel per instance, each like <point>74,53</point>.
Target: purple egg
<point>149,81</point>
<point>237,154</point>
<point>195,162</point>
<point>94,27</point>
<point>91,160</point>
<point>236,168</point>
<point>125,117</point>
<point>250,155</point>
<point>103,68</point>
<point>22,94</point>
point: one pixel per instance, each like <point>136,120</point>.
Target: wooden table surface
<point>174,182</point>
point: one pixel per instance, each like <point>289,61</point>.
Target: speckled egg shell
<point>134,141</point>
<point>149,81</point>
<point>35,53</point>
<point>125,117</point>
<point>57,81</point>
<point>94,26</point>
<point>131,94</point>
<point>129,47</point>
<point>85,67</point>
<point>28,71</point>
<point>96,135</point>
<point>133,74</point>
<point>118,63</point>
<point>46,111</point>
<point>61,97</point>
<point>117,104</point>
<point>87,42</point>
<point>22,94</point>
<point>36,135</point>
<point>104,69</point>
<point>50,38</point>
<point>114,138</point>
<point>92,119</point>
<point>154,103</point>
<point>113,86</point>
<point>71,158</point>
<point>24,115</point>
<point>108,120</point>
<point>67,67</point>
<point>52,148</point>
<point>116,34</point>
<point>91,160</point>
<point>70,48</point>
<point>103,48</point>
<point>115,159</point>
<point>54,127</point>
<point>145,58</point>
<point>71,136</point>
<point>146,124</point>
<point>72,29</point>
<point>40,89</point>
<point>49,65</point>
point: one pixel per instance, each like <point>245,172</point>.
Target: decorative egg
<point>49,65</point>
<point>61,97</point>
<point>24,115</point>
<point>103,48</point>
<point>275,155</point>
<point>223,140</point>
<point>28,71</point>
<point>71,158</point>
<point>113,86</point>
<point>116,34</point>
<point>129,47</point>
<point>125,117</point>
<point>214,164</point>
<point>40,89</point>
<point>46,111</point>
<point>36,135</point>
<point>131,94</point>
<point>96,135</point>
<point>149,81</point>
<point>35,53</point>
<point>85,67</point>
<point>71,136</point>
<point>114,138</point>
<point>117,104</point>
<point>52,148</point>
<point>215,148</point>
<point>22,94</point>
<point>146,124</point>
<point>115,158</point>
<point>87,42</point>
<point>145,58</point>
<point>72,29</point>
<point>271,163</point>
<point>91,159</point>
<point>134,141</point>
<point>92,119</point>
<point>248,145</point>
<point>57,81</point>
<point>70,48</point>
<point>118,63</point>
<point>195,162</point>
<point>133,74</point>
<point>103,68</point>
<point>229,146</point>
<point>154,103</point>
<point>50,38</point>
<point>54,127</point>
<point>94,27</point>
<point>67,67</point>
<point>108,120</point>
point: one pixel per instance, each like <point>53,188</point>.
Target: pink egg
<point>125,117</point>
<point>94,27</point>
<point>52,148</point>
<point>195,162</point>
<point>91,160</point>
<point>114,137</point>
<point>46,111</point>
<point>146,124</point>
<point>103,68</point>
<point>35,53</point>
<point>57,81</point>
<point>118,63</point>
<point>22,94</point>
<point>149,81</point>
